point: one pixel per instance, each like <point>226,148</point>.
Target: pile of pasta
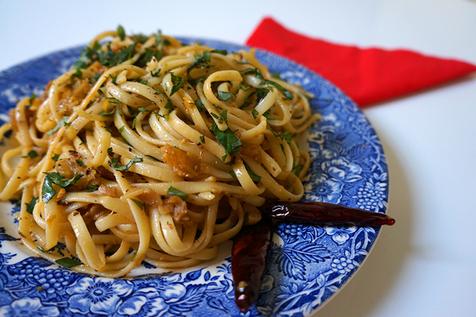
<point>151,149</point>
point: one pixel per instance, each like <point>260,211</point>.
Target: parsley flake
<point>31,205</point>
<point>121,32</point>
<point>222,52</point>
<point>48,191</point>
<point>177,83</point>
<point>147,56</point>
<point>63,122</point>
<point>253,72</point>
<point>172,191</point>
<point>287,94</point>
<point>223,116</point>
<point>201,61</point>
<point>227,139</point>
<point>297,169</point>
<point>115,163</point>
<point>68,262</point>
<point>254,177</point>
<point>200,105</point>
<point>92,187</point>
<point>109,58</point>
<point>224,95</point>
<point>32,154</point>
<point>287,136</point>
<point>261,93</point>
<point>169,106</point>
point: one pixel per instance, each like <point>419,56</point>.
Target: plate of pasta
<point>129,164</point>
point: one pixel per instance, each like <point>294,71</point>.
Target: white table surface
<point>426,264</point>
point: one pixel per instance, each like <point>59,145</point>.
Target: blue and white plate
<point>306,265</point>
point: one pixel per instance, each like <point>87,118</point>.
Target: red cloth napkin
<point>367,75</point>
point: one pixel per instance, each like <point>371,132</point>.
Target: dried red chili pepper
<point>324,214</point>
<point>251,244</point>
<point>248,261</point>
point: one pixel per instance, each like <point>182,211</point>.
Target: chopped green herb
<point>55,157</point>
<point>147,56</point>
<point>80,162</point>
<point>139,203</point>
<point>254,177</point>
<point>222,52</point>
<point>267,114</point>
<point>48,191</point>
<point>177,83</point>
<point>68,262</point>
<point>214,115</point>
<point>297,169</point>
<point>92,187</point>
<point>94,78</point>
<point>169,106</point>
<point>202,139</point>
<point>121,129</point>
<point>109,58</point>
<point>223,116</point>
<point>88,55</point>
<point>287,94</point>
<point>143,109</point>
<point>254,72</point>
<point>232,173</point>
<point>227,139</point>
<point>141,38</point>
<point>115,163</point>
<point>134,122</point>
<point>201,61</point>
<point>172,191</point>
<point>200,105</point>
<point>113,100</point>
<point>78,73</point>
<point>121,32</point>
<point>255,113</point>
<point>32,97</point>
<point>109,151</point>
<point>61,123</point>
<point>276,75</point>
<point>287,136</point>
<point>224,95</point>
<point>32,154</point>
<point>31,205</point>
<point>113,79</point>
<point>261,93</point>
<point>161,41</point>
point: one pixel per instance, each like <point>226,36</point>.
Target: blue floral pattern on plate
<point>306,265</point>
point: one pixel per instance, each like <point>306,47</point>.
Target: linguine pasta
<point>150,149</point>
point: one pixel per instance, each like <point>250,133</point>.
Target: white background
<point>425,265</point>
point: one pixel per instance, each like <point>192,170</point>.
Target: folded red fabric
<point>367,75</point>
